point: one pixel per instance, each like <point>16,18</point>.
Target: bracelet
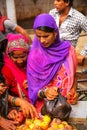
<point>0,116</point>
<point>13,101</point>
<point>42,94</point>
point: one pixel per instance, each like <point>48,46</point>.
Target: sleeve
<point>53,12</point>
<point>10,25</point>
<point>50,12</point>
<point>83,23</point>
<point>9,77</point>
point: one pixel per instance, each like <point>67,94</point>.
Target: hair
<point>46,29</point>
<point>2,50</point>
<point>3,45</point>
<point>0,13</point>
<point>70,2</point>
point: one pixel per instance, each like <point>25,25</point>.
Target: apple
<point>31,126</point>
<point>44,125</point>
<point>47,118</point>
<point>37,122</point>
<point>61,126</point>
<point>65,123</point>
<point>19,117</point>
<point>36,128</point>
<point>28,121</point>
<point>55,121</point>
<point>55,126</point>
<point>68,127</point>
<point>50,128</point>
<point>22,127</point>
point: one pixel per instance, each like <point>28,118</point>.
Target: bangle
<point>13,101</point>
<point>0,117</point>
<point>42,94</point>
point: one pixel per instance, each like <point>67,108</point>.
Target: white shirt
<point>72,26</point>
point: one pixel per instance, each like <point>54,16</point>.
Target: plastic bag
<point>57,108</point>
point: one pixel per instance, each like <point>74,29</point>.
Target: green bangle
<point>13,101</point>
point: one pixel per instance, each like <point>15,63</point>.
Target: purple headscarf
<point>43,63</point>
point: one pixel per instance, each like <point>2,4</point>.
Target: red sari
<point>15,77</point>
<point>64,78</point>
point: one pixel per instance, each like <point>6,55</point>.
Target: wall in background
<point>27,10</point>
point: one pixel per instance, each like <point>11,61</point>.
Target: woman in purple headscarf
<point>51,64</point>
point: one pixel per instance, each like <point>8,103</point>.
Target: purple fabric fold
<point>43,63</point>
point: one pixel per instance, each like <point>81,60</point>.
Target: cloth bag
<point>57,108</point>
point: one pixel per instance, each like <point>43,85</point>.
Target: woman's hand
<point>72,96</point>
<point>7,124</point>
<point>12,114</point>
<point>51,93</point>
<point>80,59</point>
<point>2,88</point>
<point>16,116</point>
<point>27,108</point>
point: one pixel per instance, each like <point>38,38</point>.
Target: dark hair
<point>0,13</point>
<point>1,61</point>
<point>2,50</point>
<point>70,2</point>
<point>2,80</point>
<point>46,29</point>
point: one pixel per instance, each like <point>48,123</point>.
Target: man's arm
<point>82,55</point>
<point>19,29</point>
<point>11,26</point>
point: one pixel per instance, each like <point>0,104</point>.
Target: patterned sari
<point>45,65</point>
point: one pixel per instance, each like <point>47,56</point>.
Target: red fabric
<point>60,81</point>
<point>2,19</point>
<point>13,83</point>
<point>19,76</point>
<point>10,80</point>
<point>64,78</point>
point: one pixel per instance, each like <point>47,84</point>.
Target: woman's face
<point>46,38</point>
<point>19,57</point>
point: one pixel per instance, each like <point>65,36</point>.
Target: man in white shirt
<point>70,21</point>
